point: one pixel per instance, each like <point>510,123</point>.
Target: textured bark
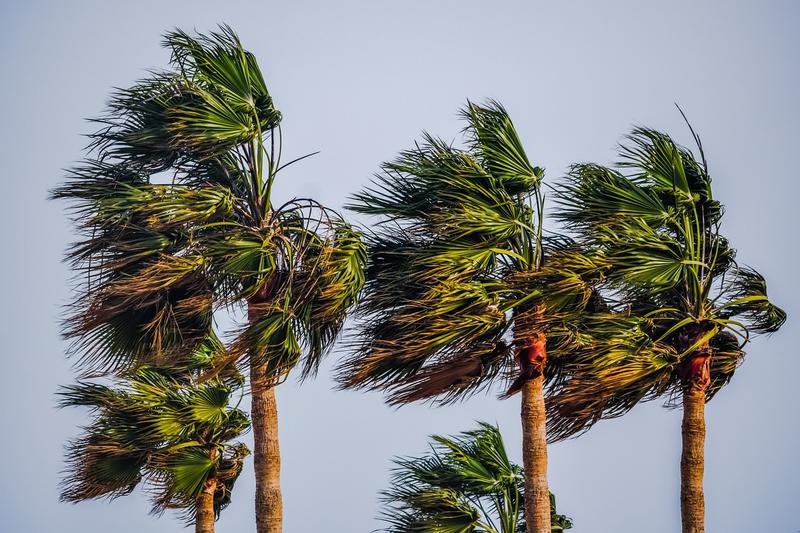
<point>534,457</point>
<point>692,460</point>
<point>204,519</point>
<point>266,453</point>
<point>695,379</point>
<point>266,447</point>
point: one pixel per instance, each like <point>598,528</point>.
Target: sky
<point>359,81</point>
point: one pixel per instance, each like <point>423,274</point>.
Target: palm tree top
<point>451,221</point>
<point>159,428</point>
<point>177,218</point>
<point>457,257</point>
<point>670,277</point>
<point>466,483</point>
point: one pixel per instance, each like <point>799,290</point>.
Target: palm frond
<point>159,427</point>
<point>746,300</point>
<point>465,483</point>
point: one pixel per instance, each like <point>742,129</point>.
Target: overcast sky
<point>359,81</point>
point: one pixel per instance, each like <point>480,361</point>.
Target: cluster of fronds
<point>456,254</point>
<point>160,428</point>
<point>669,281</point>
<point>465,484</point>
<point>157,258</point>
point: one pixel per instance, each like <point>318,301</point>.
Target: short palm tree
<point>670,275</point>
<point>465,484</point>
<point>176,208</point>
<point>457,265</point>
<point>159,427</point>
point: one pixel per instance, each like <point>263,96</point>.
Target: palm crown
<point>465,484</point>
<point>178,217</point>
<point>458,247</point>
<point>682,308</point>
<point>160,427</point>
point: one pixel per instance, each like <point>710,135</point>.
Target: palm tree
<point>176,208</point>
<point>670,276</point>
<point>456,262</point>
<point>465,484</point>
<point>158,426</point>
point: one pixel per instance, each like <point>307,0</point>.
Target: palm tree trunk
<point>266,452</point>
<point>204,517</point>
<point>534,457</point>
<point>695,379</point>
<point>692,460</point>
<point>532,359</point>
<point>266,447</point>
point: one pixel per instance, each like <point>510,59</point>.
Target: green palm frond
<point>330,287</point>
<point>423,342</point>
<point>668,168</point>
<point>187,470</point>
<point>492,135</point>
<point>466,483</point>
<point>213,100</point>
<point>447,193</point>
<point>99,467</point>
<point>270,340</point>
<point>157,426</point>
<point>614,367</point>
<point>159,313</point>
<point>594,196</point>
<point>208,405</point>
<point>219,60</point>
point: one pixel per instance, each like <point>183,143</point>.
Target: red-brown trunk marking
<point>532,358</point>
<point>533,355</point>
<point>696,371</point>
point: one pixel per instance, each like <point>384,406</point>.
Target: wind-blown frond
<point>492,135</point>
<point>746,300</point>
<point>465,483</point>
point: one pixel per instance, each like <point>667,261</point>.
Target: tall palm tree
<point>175,204</point>
<point>457,262</point>
<point>465,484</point>
<point>672,277</point>
<point>160,427</point>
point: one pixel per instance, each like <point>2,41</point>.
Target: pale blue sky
<point>359,81</point>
